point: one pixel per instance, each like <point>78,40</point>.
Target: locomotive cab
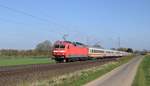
<point>66,51</point>
<point>60,50</point>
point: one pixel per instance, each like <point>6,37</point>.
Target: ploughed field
<point>21,74</point>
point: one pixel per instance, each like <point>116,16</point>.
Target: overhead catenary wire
<point>59,26</point>
<point>12,21</point>
<point>47,21</point>
<point>32,16</point>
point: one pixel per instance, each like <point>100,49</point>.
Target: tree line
<point>42,49</point>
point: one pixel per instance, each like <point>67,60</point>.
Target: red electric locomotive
<point>65,51</point>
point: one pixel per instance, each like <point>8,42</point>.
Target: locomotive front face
<point>59,50</point>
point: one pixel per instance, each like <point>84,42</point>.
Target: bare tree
<point>44,46</point>
<point>97,45</point>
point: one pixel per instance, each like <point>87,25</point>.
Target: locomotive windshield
<point>56,46</point>
<point>62,46</point>
<point>59,46</point>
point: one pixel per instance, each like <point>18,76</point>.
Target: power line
<point>59,26</point>
<point>21,12</point>
<point>12,21</point>
<point>31,15</point>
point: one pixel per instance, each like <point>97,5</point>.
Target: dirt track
<point>10,76</point>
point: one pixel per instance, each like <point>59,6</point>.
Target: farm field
<point>143,74</point>
<point>12,61</point>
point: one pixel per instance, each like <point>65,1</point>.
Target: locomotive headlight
<point>60,51</point>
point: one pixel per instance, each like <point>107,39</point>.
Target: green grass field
<point>143,74</point>
<point>11,61</point>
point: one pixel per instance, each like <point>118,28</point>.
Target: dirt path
<point>121,76</point>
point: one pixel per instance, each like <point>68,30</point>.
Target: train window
<point>56,46</point>
<point>97,51</point>
<point>90,51</point>
<point>59,46</point>
<point>62,46</point>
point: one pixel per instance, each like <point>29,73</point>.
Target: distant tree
<point>97,45</point>
<point>145,50</point>
<point>126,49</point>
<point>44,46</point>
<point>122,49</point>
<point>130,50</point>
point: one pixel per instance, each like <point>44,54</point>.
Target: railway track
<point>11,76</point>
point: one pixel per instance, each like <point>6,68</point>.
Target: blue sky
<point>96,20</point>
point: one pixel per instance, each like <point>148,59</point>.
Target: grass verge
<point>81,77</point>
<point>142,77</point>
<point>25,61</point>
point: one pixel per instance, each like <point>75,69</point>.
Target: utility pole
<point>87,40</point>
<point>119,43</point>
